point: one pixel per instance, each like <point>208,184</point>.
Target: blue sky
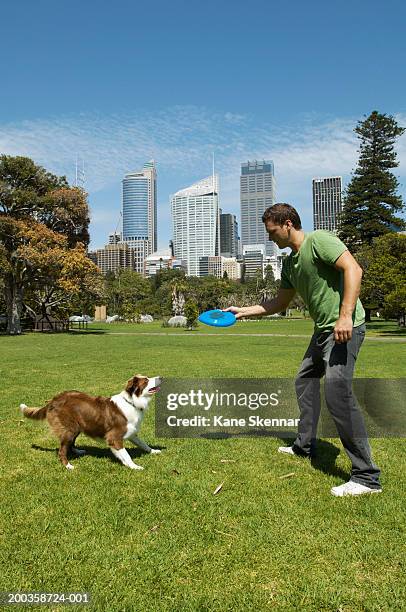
<point>120,83</point>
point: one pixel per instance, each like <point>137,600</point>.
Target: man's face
<point>279,233</point>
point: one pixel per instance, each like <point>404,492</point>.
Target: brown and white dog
<point>115,419</point>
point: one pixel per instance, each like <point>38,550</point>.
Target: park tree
<point>124,291</point>
<point>270,285</point>
<point>66,211</point>
<point>59,278</point>
<point>261,287</point>
<point>131,312</point>
<point>165,275</point>
<point>208,291</point>
<point>162,297</point>
<point>253,283</point>
<point>384,282</point>
<point>191,313</point>
<point>178,287</point>
<point>371,203</point>
<point>3,263</point>
<point>32,197</point>
<point>298,304</point>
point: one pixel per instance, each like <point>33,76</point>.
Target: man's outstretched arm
<point>277,304</point>
<point>352,286</point>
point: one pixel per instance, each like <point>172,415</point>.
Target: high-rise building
<point>228,235</point>
<point>254,259</point>
<point>195,223</point>
<point>232,267</point>
<point>162,260</point>
<point>257,192</point>
<point>327,202</point>
<point>217,265</point>
<point>210,265</point>
<point>140,249</point>
<point>140,208</point>
<point>114,257</point>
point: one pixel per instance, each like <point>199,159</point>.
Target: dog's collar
<point>128,401</point>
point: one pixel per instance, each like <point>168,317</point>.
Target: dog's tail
<point>34,413</point>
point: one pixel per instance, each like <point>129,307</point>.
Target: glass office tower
<point>140,207</point>
<point>228,235</point>
<point>195,223</point>
<point>257,192</point>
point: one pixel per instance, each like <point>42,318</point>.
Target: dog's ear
<point>136,385</point>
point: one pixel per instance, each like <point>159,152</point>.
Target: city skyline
<point>327,203</point>
<point>326,150</point>
<point>249,94</point>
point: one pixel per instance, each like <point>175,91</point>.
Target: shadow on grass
<point>96,451</point>
<point>383,330</point>
<point>324,459</point>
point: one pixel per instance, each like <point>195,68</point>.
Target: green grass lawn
<point>280,326</point>
<point>159,540</point>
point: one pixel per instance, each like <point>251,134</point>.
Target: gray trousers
<point>324,357</point>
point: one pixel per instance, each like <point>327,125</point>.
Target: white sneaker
<point>352,488</point>
<point>286,449</point>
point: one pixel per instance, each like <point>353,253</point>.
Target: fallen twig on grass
<point>154,528</point>
<point>218,489</point>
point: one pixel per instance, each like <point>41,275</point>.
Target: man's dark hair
<point>279,213</point>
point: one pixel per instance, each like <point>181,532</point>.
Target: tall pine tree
<point>371,203</point>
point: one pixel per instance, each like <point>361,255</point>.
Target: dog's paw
<point>69,466</point>
<point>134,466</point>
<point>155,451</point>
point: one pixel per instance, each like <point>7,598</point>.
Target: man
<point>322,270</point>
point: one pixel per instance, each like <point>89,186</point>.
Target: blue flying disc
<point>217,318</point>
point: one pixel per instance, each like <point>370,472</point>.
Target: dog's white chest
<point>133,414</point>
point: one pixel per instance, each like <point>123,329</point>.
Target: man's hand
<point>278,303</point>
<point>238,311</point>
<point>343,329</point>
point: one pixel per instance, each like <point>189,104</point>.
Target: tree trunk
<point>14,301</point>
<point>367,315</point>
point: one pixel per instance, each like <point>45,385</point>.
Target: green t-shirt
<point>311,272</point>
